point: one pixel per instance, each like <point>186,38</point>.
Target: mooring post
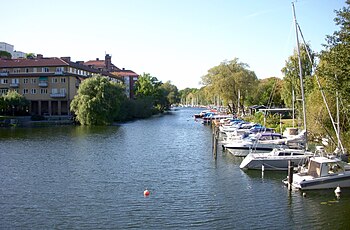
<point>215,140</point>
<point>290,174</point>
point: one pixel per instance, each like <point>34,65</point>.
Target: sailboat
<point>325,171</point>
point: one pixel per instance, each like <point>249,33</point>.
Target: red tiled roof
<point>125,73</point>
<point>43,62</point>
<point>99,63</point>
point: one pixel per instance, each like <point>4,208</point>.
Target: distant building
<point>18,54</point>
<point>49,84</point>
<point>10,49</point>
<point>6,47</point>
<point>128,77</point>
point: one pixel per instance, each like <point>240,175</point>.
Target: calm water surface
<point>93,178</point>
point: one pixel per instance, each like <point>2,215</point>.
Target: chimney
<point>39,56</point>
<point>66,59</point>
<point>108,62</point>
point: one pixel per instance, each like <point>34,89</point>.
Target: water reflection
<point>91,178</point>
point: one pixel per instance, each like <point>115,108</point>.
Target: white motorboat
<point>277,159</point>
<point>264,142</point>
<point>322,173</point>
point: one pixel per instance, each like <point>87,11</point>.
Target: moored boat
<point>277,159</point>
<point>322,173</point>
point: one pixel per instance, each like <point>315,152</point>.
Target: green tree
<point>14,102</point>
<point>98,101</point>
<point>334,66</point>
<point>148,88</point>
<point>333,72</point>
<point>171,92</point>
<point>291,80</point>
<point>231,82</point>
<point>4,54</point>
<point>268,92</point>
<point>30,55</point>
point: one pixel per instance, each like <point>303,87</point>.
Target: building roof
<point>99,64</point>
<point>125,73</point>
<point>36,62</point>
<point>96,63</point>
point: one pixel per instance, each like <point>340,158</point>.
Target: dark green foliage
<point>98,101</point>
<point>13,103</point>
<point>4,54</point>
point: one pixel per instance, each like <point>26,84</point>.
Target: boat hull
<point>280,164</point>
<point>342,180</point>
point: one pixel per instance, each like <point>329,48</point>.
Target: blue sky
<point>176,40</point>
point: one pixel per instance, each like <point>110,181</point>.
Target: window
<point>34,70</point>
<point>3,91</point>
<point>5,81</point>
<point>33,91</point>
<point>43,91</point>
<point>15,81</point>
<point>54,80</point>
<point>59,69</point>
<point>70,70</point>
<point>63,80</point>
<point>33,80</point>
<point>25,80</point>
<point>45,69</point>
<point>25,91</point>
<point>54,91</point>
<point>17,70</point>
<point>62,91</point>
<point>27,70</point>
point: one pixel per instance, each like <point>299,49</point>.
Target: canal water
<point>68,177</point>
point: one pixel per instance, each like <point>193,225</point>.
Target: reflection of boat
<point>277,159</point>
<point>322,173</point>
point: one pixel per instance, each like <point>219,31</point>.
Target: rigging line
<point>322,93</point>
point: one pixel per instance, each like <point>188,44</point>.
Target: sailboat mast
<point>300,74</point>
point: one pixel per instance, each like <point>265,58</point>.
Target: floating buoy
<point>146,193</point>
<point>304,194</point>
<point>337,191</point>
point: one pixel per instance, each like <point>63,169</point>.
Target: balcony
<point>43,84</point>
<point>59,73</point>
<point>4,74</point>
<point>14,85</point>
<point>58,95</point>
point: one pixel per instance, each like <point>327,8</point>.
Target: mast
<point>300,75</point>
<point>338,120</point>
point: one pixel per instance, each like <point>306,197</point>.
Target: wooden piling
<point>290,174</point>
<point>215,141</point>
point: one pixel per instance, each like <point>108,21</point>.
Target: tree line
<point>101,102</point>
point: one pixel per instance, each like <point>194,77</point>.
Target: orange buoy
<point>146,193</point>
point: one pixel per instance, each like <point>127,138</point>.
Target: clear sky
<point>176,40</point>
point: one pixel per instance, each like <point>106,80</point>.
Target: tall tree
<point>98,101</point>
<point>333,71</point>
<point>149,88</point>
<point>335,60</point>
<point>268,92</point>
<point>291,79</point>
<point>231,81</point>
